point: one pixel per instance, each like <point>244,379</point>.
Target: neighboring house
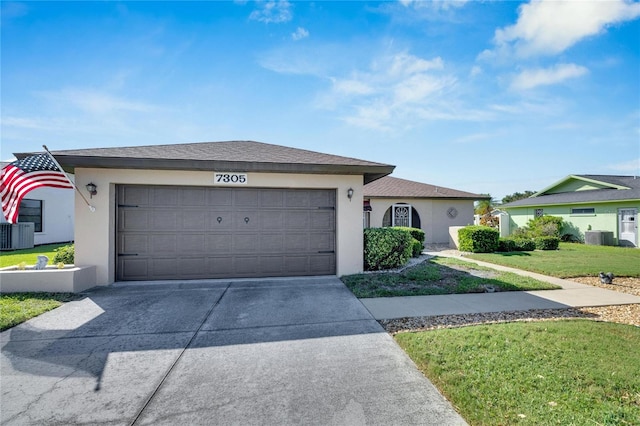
<point>586,202</point>
<point>51,210</point>
<point>392,201</point>
<point>218,210</point>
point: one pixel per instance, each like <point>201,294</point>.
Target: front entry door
<point>628,227</point>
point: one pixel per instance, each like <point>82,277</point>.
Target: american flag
<point>22,176</point>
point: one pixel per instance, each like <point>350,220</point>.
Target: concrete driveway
<point>287,351</point>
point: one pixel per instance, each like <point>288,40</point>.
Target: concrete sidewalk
<point>572,295</point>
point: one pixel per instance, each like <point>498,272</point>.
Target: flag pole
<point>93,209</point>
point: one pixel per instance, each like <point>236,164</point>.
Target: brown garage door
<point>173,232</point>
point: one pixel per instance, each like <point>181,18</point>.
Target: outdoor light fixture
<point>92,189</point>
<point>350,193</point>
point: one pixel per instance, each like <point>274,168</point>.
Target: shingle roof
<point>220,156</point>
<point>588,196</point>
<point>391,187</point>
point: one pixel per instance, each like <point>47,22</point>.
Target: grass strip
<point>440,275</point>
<point>570,260</point>
<point>29,256</point>
<point>569,372</point>
<point>19,307</point>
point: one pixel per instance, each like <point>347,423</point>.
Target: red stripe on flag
<point>16,183</point>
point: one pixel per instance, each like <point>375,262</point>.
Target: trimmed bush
<point>545,226</point>
<point>506,244</point>
<point>64,254</point>
<point>478,239</point>
<point>547,243</point>
<point>416,248</point>
<point>386,248</point>
<point>416,233</point>
<point>524,244</point>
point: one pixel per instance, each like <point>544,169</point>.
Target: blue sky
<point>482,96</point>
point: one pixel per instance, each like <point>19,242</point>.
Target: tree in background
<point>517,196</point>
<point>483,209</point>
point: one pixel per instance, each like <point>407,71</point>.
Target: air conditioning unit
<point>16,236</point>
<point>598,238</point>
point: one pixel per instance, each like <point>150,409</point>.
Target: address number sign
<point>230,178</point>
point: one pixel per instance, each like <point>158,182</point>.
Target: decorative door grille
<point>402,215</point>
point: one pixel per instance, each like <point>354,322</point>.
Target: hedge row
<point>483,239</point>
<point>390,248</point>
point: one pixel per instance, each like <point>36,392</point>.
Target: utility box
<point>598,238</point>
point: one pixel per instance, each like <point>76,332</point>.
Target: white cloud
<point>632,166</point>
<point>434,4</point>
<point>95,101</point>
<point>548,27</point>
<point>531,78</point>
<point>300,34</point>
<point>272,11</point>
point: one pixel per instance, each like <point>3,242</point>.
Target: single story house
<point>218,210</point>
<point>51,210</point>
<point>585,202</point>
<point>391,201</point>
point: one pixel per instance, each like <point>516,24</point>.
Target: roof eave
<point>71,162</point>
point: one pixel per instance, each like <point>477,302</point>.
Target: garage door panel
<point>205,235</point>
<point>134,220</point>
<point>192,197</point>
<point>322,219</point>
<point>219,243</point>
<point>271,243</point>
<point>221,197</point>
<point>247,198</point>
<point>244,243</point>
<point>136,269</point>
<point>164,196</point>
<point>164,268</point>
<point>192,267</point>
<point>246,221</point>
<point>134,195</point>
<point>271,199</point>
<point>191,243</point>
<point>272,219</point>
<point>296,219</point>
<point>134,244</point>
<point>194,220</point>
<point>166,220</point>
<point>163,244</point>
<point>320,242</point>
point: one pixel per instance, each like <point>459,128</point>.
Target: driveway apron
<point>286,351</point>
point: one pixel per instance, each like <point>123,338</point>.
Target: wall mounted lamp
<point>350,193</point>
<point>92,189</point>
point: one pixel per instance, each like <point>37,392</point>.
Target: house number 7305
<point>230,178</point>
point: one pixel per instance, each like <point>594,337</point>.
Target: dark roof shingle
<point>247,156</point>
<point>391,187</point>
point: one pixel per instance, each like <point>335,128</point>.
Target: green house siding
<point>604,218</point>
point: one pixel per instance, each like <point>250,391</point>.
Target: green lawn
<point>571,260</point>
<point>575,372</point>
<point>19,307</point>
<point>439,275</point>
<point>29,256</point>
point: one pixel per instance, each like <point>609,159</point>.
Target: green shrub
<point>545,226</point>
<point>64,254</point>
<point>547,243</point>
<point>416,233</point>
<point>478,239</point>
<point>506,244</point>
<point>386,248</point>
<point>524,244</point>
<point>416,248</point>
